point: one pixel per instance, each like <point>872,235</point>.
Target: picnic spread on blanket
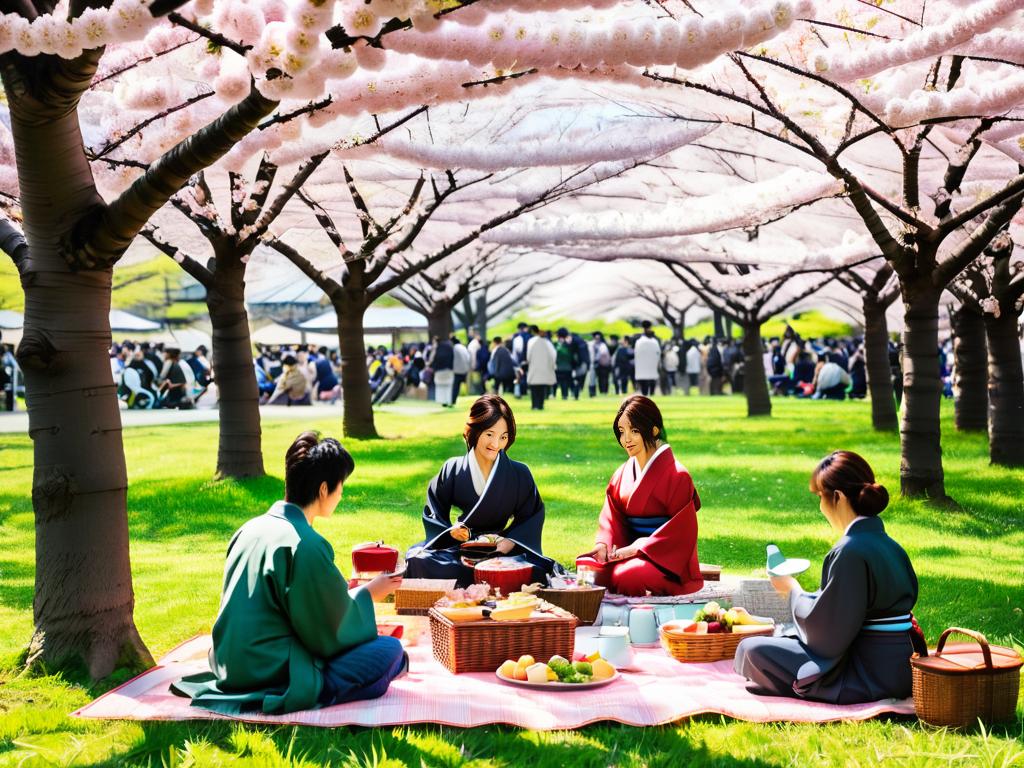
<point>508,635</point>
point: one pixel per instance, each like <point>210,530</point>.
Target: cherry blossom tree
<point>672,306</point>
<point>878,289</point>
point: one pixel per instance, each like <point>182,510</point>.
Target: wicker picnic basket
<point>482,646</point>
<point>417,596</point>
<point>583,602</point>
<point>691,648</point>
<point>958,685</point>
<point>759,597</point>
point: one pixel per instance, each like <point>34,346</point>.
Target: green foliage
<point>507,328</point>
<point>810,325</point>
<point>752,475</point>
<point>11,295</point>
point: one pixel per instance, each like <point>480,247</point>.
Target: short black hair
<point>311,461</point>
<point>487,411</point>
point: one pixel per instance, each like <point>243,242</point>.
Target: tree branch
<point>950,267</point>
<point>326,284</point>
<point>186,262</point>
<point>107,235</point>
<point>1009,191</point>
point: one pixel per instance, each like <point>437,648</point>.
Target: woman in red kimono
<point>648,527</point>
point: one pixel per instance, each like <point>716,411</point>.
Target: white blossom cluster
<point>959,29</point>
<point>569,40</point>
<point>729,209</point>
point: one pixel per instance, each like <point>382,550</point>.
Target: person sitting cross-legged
<point>290,635</point>
<point>853,636</point>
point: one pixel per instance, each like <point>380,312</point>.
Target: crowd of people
<point>535,363</point>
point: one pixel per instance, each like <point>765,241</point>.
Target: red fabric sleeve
<point>674,545</point>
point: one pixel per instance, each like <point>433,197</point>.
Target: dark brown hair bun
<point>871,500</point>
<point>848,473</point>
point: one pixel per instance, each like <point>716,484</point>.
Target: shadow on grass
<point>597,746</point>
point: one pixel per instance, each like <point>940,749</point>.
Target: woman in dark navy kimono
<point>493,494</point>
<point>854,635</point>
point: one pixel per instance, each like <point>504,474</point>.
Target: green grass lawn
<point>752,476</point>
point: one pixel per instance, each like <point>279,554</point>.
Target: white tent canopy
<point>376,320</point>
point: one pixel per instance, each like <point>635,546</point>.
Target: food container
<point>689,647</point>
<point>593,572</point>
<point>960,684</point>
<point>503,573</point>
<point>374,557</point>
<point>482,646</point>
<point>416,596</point>
<point>583,602</point>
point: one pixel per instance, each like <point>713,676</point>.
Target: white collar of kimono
<point>853,522</point>
<point>476,472</point>
<point>636,464</point>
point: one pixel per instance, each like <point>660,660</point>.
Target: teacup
<point>614,615</point>
<point>613,645</point>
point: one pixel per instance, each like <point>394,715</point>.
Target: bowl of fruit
<point>558,673</point>
<point>713,634</point>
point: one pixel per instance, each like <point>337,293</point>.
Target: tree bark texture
<point>755,384</point>
<point>355,382</point>
<point>439,321</point>
<point>83,586</point>
<point>970,386</point>
<point>240,447</point>
<point>920,431</point>
<point>876,354</point>
<point>1005,391</point>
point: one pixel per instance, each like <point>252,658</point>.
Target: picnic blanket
<point>661,691</point>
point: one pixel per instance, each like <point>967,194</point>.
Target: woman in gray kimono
<point>854,635</point>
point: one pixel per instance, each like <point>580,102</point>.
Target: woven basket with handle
<point>482,646</point>
<point>582,602</point>
<point>957,685</point>
<point>690,647</point>
<point>417,596</point>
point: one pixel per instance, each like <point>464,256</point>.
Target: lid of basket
<point>374,548</point>
<point>589,562</point>
<point>963,658</point>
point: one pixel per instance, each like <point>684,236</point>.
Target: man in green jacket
<point>289,634</point>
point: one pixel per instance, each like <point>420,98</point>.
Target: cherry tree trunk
<point>240,449</point>
<point>755,383</point>
<point>876,363</point>
<point>1005,391</point>
<point>439,321</point>
<point>355,381</point>
<point>920,431</point>
<point>84,600</point>
<point>970,387</point>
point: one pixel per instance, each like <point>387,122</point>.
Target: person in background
<point>296,637</point>
<point>325,381</point>
<point>647,357</point>
<point>580,363</point>
<point>476,373</point>
<point>172,383</point>
<point>200,366</point>
<point>858,374</point>
<point>715,368</point>
<point>602,358</point>
<point>540,368</point>
<point>292,386</point>
<point>563,362</point>
<point>501,367</point>
<point>460,366</point>
<point>853,636</point>
<point>693,366</point>
<point>830,380</point>
<point>444,375</point>
<point>670,364</point>
<point>622,366</point>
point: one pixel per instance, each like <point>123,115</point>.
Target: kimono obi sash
<point>900,623</point>
<point>645,526</point>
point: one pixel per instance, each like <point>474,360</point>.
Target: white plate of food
<point>553,685</point>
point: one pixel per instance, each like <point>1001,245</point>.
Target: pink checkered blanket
<point>663,691</point>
